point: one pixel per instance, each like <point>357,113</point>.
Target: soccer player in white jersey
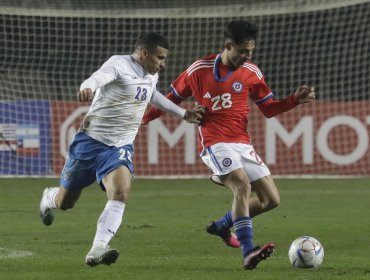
<point>103,147</point>
<point>223,83</point>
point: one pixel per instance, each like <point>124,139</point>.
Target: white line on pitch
<point>11,254</point>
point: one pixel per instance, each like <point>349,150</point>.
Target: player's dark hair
<point>239,31</point>
<point>151,41</point>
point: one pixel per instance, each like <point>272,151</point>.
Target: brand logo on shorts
<point>65,175</point>
<point>227,162</point>
<point>237,86</point>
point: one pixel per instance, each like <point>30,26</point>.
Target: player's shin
<point>244,232</point>
<point>109,222</point>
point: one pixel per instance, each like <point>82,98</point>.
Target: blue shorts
<point>90,160</point>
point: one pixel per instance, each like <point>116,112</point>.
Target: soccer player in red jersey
<point>223,83</point>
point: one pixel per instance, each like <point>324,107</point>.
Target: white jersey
<point>122,92</point>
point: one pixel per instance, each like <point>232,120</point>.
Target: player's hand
<point>305,94</point>
<point>195,115</point>
<point>85,94</point>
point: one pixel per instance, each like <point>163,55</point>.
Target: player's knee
<point>242,189</point>
<point>121,194</point>
<point>272,203</point>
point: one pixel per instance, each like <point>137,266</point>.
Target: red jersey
<point>225,95</point>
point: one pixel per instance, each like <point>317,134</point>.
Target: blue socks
<point>225,222</point>
<point>244,232</point>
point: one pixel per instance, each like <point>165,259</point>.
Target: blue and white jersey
<point>122,92</point>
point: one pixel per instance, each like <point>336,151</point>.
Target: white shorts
<point>223,158</point>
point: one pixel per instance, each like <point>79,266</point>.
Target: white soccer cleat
<point>46,213</point>
<point>101,255</point>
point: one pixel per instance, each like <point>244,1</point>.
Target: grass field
<point>162,235</point>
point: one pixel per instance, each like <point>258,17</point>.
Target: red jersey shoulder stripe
<point>254,69</point>
<point>200,64</point>
<point>199,67</point>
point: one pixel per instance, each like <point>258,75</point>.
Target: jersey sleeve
<point>264,98</point>
<point>107,73</point>
<point>260,92</point>
<point>272,108</point>
<point>154,112</point>
<point>181,86</point>
<point>165,104</point>
<point>179,90</point>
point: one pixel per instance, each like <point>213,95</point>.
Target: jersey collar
<point>216,70</point>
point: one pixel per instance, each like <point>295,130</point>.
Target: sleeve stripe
<point>263,100</point>
<point>198,67</point>
<point>198,63</point>
<point>173,90</point>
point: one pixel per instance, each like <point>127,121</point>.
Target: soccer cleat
<point>46,213</point>
<point>101,255</point>
<point>226,235</point>
<point>258,254</point>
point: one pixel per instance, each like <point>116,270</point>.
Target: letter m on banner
<point>156,128</point>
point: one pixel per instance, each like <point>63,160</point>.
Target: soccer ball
<point>306,252</point>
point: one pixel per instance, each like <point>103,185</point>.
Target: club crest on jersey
<point>226,162</point>
<point>237,86</point>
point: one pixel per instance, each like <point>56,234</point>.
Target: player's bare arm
<point>85,94</point>
<point>195,115</point>
<point>305,94</point>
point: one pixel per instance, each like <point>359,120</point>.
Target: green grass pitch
<point>162,235</point>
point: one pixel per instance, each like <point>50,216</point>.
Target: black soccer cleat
<point>226,235</point>
<point>258,254</point>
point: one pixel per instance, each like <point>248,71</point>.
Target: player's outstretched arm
<point>156,112</point>
<point>271,108</point>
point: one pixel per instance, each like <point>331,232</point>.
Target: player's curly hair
<point>239,31</point>
<point>151,41</point>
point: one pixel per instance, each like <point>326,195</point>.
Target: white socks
<point>51,197</point>
<point>109,222</point>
